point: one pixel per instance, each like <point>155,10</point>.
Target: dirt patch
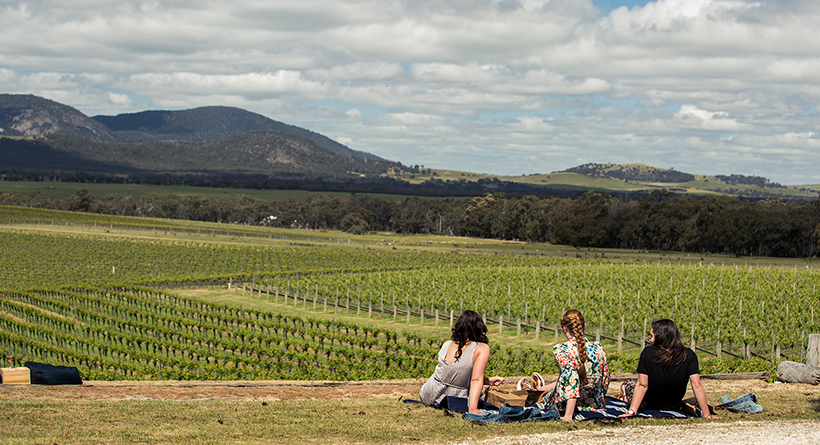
<point>301,390</point>
<point>208,390</point>
<point>784,402</point>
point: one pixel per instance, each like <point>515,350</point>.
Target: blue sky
<point>492,86</point>
<point>606,6</point>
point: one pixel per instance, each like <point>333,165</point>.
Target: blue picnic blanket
<point>615,408</point>
<point>492,414</point>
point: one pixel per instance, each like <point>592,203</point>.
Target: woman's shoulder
<point>649,351</point>
<point>483,347</point>
<point>595,345</point>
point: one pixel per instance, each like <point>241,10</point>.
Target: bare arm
<point>480,358</point>
<point>700,394</point>
<point>638,395</point>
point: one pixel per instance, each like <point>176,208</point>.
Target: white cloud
<point>520,86</point>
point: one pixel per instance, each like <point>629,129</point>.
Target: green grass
<point>333,420</point>
<point>66,189</point>
<point>701,186</point>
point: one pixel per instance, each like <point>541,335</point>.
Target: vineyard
<point>96,302</point>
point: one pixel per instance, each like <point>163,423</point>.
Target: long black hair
<point>668,343</point>
<point>469,327</point>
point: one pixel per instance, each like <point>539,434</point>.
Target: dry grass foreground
<point>357,412</point>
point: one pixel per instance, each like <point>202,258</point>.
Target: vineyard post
<point>537,329</point>
<point>500,323</point>
<point>719,346</point>
<point>359,301</point>
<point>802,344</point>
<point>813,351</point>
<point>620,335</point>
<point>243,289</point>
<point>407,309</point>
<point>509,303</point>
<point>774,346</point>
<point>395,312</point>
<point>643,334</point>
<point>446,295</point>
<point>421,316</point>
<point>370,309</point>
<point>347,303</point>
<point>315,296</point>
<point>518,326</point>
<point>436,323</point>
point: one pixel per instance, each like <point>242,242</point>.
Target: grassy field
<point>345,414</point>
<point>702,185</point>
<point>263,236</point>
<point>66,189</point>
<point>287,415</point>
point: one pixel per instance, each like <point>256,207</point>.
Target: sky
<point>505,87</point>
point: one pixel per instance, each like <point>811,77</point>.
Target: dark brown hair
<point>573,320</point>
<point>668,343</point>
<point>469,327</point>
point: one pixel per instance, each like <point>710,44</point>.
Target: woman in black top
<point>664,369</point>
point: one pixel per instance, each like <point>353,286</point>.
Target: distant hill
<point>252,153</point>
<point>207,124</point>
<point>631,172</point>
<point>27,115</point>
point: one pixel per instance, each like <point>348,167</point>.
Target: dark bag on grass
<point>45,374</point>
<point>691,408</point>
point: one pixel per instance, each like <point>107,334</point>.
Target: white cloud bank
<point>505,87</point>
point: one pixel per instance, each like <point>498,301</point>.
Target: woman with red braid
<point>583,377</point>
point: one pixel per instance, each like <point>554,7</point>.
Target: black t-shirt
<point>666,386</point>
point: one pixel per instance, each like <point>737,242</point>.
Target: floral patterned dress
<point>592,394</point>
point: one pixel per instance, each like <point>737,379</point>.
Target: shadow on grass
<point>815,403</point>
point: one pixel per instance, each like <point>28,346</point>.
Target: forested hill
<point>27,115</point>
<point>253,153</point>
<point>631,172</point>
<point>207,124</point>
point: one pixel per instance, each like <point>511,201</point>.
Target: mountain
<point>208,123</point>
<point>26,115</point>
<point>266,152</point>
<point>38,134</point>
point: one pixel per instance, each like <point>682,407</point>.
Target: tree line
<point>660,221</point>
